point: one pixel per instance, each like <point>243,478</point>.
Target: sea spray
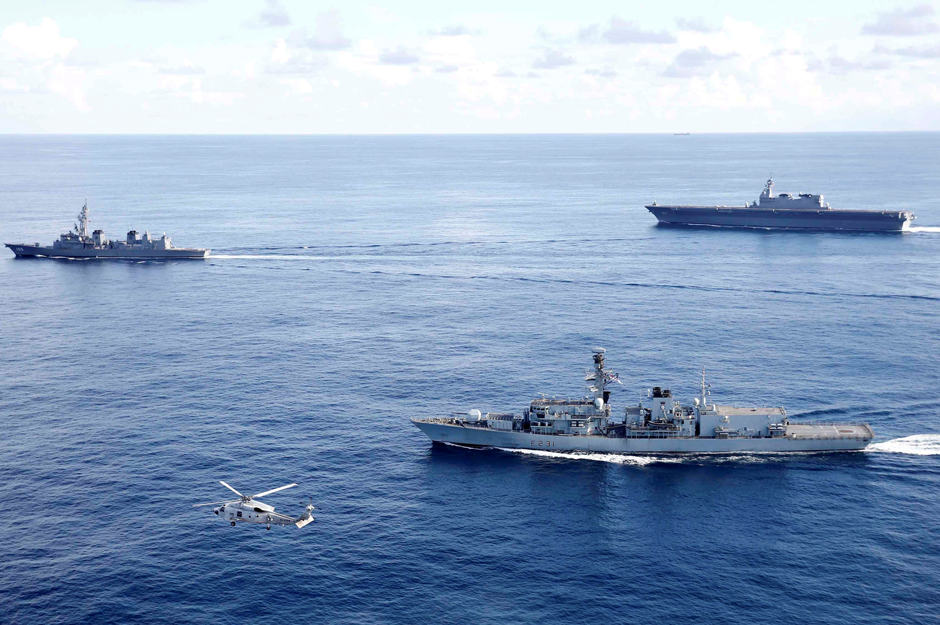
<point>916,445</point>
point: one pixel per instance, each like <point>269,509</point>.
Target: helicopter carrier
<point>662,425</point>
<point>802,211</point>
<point>80,244</point>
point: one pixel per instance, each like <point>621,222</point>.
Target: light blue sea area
<point>356,282</point>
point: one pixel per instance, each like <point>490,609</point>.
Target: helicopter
<point>248,510</point>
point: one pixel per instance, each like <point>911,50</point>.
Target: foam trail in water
<point>917,445</point>
<point>612,458</point>
<point>924,229</point>
<point>269,256</point>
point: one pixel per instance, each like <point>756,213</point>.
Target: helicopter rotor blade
<point>230,488</point>
<point>213,503</point>
<point>268,492</point>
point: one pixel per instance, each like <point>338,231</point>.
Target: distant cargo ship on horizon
<point>803,211</point>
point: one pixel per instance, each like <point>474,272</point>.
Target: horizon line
<point>445,134</point>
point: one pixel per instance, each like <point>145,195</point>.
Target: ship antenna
<point>704,390</point>
<point>768,188</point>
<point>82,226</point>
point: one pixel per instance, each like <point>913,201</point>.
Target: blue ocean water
<point>359,281</point>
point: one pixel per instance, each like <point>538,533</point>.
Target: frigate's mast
<point>600,376</point>
<point>705,392</point>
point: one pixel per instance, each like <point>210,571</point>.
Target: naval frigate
<point>801,211</point>
<point>663,425</point>
<point>78,243</point>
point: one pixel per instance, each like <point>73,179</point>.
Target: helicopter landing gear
<point>233,523</point>
<point>269,526</point>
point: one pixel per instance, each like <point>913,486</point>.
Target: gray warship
<point>802,211</point>
<point>661,426</point>
<point>79,244</point>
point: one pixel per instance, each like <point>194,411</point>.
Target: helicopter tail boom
<point>305,518</point>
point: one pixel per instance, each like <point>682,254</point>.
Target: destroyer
<point>663,425</point>
<point>79,244</point>
<point>800,211</point>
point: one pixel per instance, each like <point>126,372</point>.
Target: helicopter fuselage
<point>252,512</point>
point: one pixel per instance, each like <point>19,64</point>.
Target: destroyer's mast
<point>81,228</point>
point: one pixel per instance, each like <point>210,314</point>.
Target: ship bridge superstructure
<point>767,199</point>
<point>578,417</point>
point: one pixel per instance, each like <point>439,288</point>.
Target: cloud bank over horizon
<point>282,66</point>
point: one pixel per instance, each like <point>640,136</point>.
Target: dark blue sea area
<point>356,282</point>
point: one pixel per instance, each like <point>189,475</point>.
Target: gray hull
<point>797,219</point>
<point>799,438</point>
<point>33,251</point>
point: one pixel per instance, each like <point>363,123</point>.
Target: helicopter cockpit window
<point>239,513</point>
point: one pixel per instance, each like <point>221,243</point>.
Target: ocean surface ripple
<point>360,281</point>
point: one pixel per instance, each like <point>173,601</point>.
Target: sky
<point>303,67</point>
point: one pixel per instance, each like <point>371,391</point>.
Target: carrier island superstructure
<point>661,425</point>
<point>80,244</point>
<point>801,211</point>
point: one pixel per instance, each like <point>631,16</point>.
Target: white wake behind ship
<point>663,425</point>
<point>78,243</point>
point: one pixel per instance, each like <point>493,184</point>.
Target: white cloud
<point>42,41</point>
<point>10,85</point>
<point>69,83</point>
<point>280,53</point>
<point>903,22</point>
<point>186,88</point>
<point>915,52</point>
<point>552,59</point>
<point>453,30</point>
<point>623,32</point>
<point>274,15</point>
<point>601,73</point>
<point>399,56</point>
<point>327,35</point>
<point>725,74</point>
<point>841,65</point>
<point>694,62</point>
<point>695,23</point>
<point>300,86</point>
<point>182,70</point>
<point>41,51</point>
